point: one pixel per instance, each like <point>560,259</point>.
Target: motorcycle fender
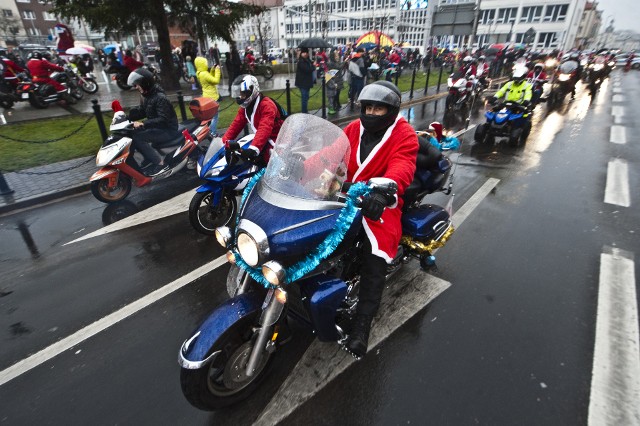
<point>214,188</point>
<point>195,351</point>
<point>104,172</point>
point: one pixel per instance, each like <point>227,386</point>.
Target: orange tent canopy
<point>375,37</point>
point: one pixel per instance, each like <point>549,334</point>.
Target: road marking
<point>617,98</point>
<point>617,110</point>
<point>617,89</point>
<point>177,204</point>
<point>618,135</point>
<point>615,381</point>
<point>617,186</point>
<point>100,325</point>
<point>323,362</point>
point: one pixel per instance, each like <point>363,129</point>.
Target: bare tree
<point>261,26</point>
<point>9,27</point>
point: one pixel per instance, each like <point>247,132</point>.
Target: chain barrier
<point>50,140</point>
<point>22,172</point>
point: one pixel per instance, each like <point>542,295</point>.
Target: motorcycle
<point>120,74</point>
<point>215,203</point>
<point>596,72</point>
<point>12,92</point>
<point>508,119</point>
<point>562,83</point>
<point>297,225</point>
<point>86,82</point>
<point>264,70</point>
<point>119,168</point>
<point>42,95</point>
<point>460,92</point>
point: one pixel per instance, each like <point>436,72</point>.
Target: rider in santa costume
<point>383,146</point>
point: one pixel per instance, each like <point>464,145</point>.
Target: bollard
<point>439,79</point>
<point>397,74</point>
<point>99,119</point>
<point>288,90</point>
<point>426,84</point>
<point>324,98</point>
<point>183,111</point>
<point>413,81</point>
<point>4,187</point>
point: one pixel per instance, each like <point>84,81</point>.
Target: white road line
<point>78,337</point>
<point>468,207</point>
<point>617,98</point>
<point>617,110</point>
<point>177,204</point>
<point>323,362</point>
<point>617,186</point>
<point>618,135</point>
<point>615,381</point>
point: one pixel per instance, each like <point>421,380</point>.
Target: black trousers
<point>372,275</point>
<point>143,139</point>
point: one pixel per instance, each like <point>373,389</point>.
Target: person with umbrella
<point>358,72</point>
<point>304,77</point>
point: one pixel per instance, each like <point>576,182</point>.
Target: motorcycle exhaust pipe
<point>275,300</point>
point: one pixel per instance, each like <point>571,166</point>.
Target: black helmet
<point>381,92</point>
<point>36,55</point>
<point>47,56</point>
<point>142,78</point>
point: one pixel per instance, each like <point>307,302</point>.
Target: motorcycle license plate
<point>25,96</point>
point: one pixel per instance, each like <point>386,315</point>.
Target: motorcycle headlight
<point>248,249</point>
<point>274,273</point>
<point>564,77</point>
<point>223,235</point>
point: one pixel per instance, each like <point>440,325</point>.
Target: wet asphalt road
<point>510,342</point>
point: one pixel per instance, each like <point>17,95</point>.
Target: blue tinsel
<point>324,249</point>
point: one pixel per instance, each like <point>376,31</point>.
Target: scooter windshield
<point>309,160</point>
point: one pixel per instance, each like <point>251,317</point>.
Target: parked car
<point>621,61</point>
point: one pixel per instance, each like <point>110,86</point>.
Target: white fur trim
<point>374,243</point>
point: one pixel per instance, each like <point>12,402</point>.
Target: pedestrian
<point>358,74</point>
<point>334,85</point>
<point>304,77</point>
<point>234,64</point>
<point>191,73</point>
<point>209,80</point>
<point>215,54</point>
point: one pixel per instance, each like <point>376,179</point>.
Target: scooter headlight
<point>274,273</point>
<point>223,235</point>
<point>564,77</point>
<point>248,249</point>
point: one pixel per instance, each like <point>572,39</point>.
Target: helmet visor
<point>375,93</point>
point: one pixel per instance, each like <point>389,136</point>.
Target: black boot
<point>358,339</point>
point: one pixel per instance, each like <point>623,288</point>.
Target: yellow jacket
<point>515,92</point>
<point>209,80</point>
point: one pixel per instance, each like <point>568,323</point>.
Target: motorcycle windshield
<point>309,160</point>
<point>568,67</point>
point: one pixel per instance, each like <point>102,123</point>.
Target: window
<point>48,16</point>
<point>520,38</point>
<point>487,16</point>
<point>7,13</point>
<point>548,40</point>
<point>342,6</point>
<point>28,14</point>
<point>507,15</point>
<point>354,25</point>
<point>33,31</point>
<point>556,13</point>
<point>531,14</point>
<point>342,25</point>
<point>24,1</point>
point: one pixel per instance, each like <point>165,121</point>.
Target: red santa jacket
<point>265,122</point>
<point>394,157</point>
<point>41,68</point>
<point>131,63</point>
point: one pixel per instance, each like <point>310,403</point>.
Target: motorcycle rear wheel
<point>223,382</point>
<point>100,189</point>
<point>6,104</point>
<point>122,85</point>
<point>37,101</point>
<point>205,218</point>
<point>268,73</point>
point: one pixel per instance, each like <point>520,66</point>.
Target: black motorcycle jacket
<point>157,109</point>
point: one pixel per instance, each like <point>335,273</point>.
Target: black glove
<point>492,100</point>
<point>232,146</point>
<point>373,205</point>
<point>229,152</point>
<point>248,154</point>
<point>526,103</point>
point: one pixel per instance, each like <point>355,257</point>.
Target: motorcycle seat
<point>176,141</point>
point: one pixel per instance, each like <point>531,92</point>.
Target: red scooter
<point>118,167</point>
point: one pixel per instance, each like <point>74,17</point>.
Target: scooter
<point>215,203</point>
<point>508,119</point>
<point>460,92</point>
<point>118,167</point>
<point>297,251</point>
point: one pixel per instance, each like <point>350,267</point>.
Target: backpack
<point>283,112</point>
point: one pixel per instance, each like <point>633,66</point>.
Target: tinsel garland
<point>323,250</point>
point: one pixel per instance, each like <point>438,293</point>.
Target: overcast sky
<point>625,13</point>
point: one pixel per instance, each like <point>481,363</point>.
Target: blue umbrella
<point>109,48</point>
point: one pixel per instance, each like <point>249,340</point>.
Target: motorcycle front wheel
<point>100,189</point>
<point>223,381</point>
<point>89,85</point>
<point>205,217</point>
<point>268,73</point>
<point>77,93</point>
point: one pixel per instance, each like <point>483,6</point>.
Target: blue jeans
<point>304,94</point>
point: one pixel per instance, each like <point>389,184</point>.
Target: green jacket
<point>515,92</point>
<point>209,80</point>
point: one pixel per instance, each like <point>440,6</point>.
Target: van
<point>276,52</point>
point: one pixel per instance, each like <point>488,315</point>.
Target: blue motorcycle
<point>297,252</point>
<point>214,203</point>
<point>509,120</point>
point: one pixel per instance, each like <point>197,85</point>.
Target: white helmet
<point>246,85</point>
<point>467,59</point>
<point>520,73</point>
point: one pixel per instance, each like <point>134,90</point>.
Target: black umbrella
<point>315,43</point>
